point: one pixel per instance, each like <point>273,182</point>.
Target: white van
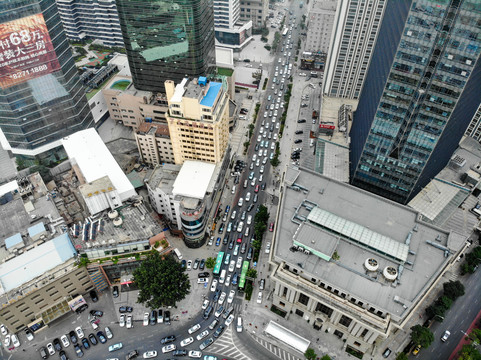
<point>233,189</point>
<point>239,324</point>
<point>177,252</point>
<point>222,276</point>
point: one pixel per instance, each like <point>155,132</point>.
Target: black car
<point>219,331</point>
<point>167,317</point>
<point>93,339</point>
<point>206,343</point>
<point>153,317</point>
<point>115,291</point>
<point>62,355</point>
<point>297,141</point>
<point>304,105</point>
<point>132,355</point>
<point>43,353</point>
<point>167,339</point>
<point>249,208</point>
<point>257,147</point>
<point>300,121</point>
<point>73,337</point>
<point>85,343</point>
<point>180,353</point>
<point>202,264</point>
<point>183,263</point>
<point>78,350</point>
<point>386,353</point>
<point>234,279</point>
<point>93,296</point>
<point>96,313</point>
<point>216,295</point>
<point>298,132</point>
<point>101,337</point>
<point>226,239</point>
<point>263,186</point>
<point>203,275</point>
<point>57,345</point>
<point>196,264</point>
<point>221,228</point>
<point>81,308</point>
<point>231,245</point>
<point>125,309</point>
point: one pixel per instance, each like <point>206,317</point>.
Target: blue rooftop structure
<point>36,229</point>
<point>211,95</point>
<point>13,240</point>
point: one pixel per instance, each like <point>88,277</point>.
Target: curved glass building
<point>167,40</point>
<point>42,98</point>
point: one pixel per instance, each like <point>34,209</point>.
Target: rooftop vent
<point>118,221</point>
<point>390,273</point>
<point>113,214</point>
<point>457,162</point>
<point>371,264</point>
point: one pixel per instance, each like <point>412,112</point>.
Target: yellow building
<point>198,119</point>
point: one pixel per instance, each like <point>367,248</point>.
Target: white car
<point>268,247</point>
<point>231,297</point>
<point>122,320</point>
<point>202,335</point>
<point>146,319</point>
<point>213,286</point>
<point>259,297</point>
<point>3,330</point>
<point>195,354</point>
<point>79,331</point>
<point>189,264</point>
<point>150,354</point>
<point>227,280</point>
<point>232,266</point>
<point>50,349</point>
<point>222,298</point>
<point>194,328</point>
<point>249,219</point>
<point>239,324</point>
<point>15,341</point>
<point>229,320</point>
<point>445,336</point>
<point>64,341</point>
<point>239,262</point>
<point>7,340</point>
<point>261,170</point>
<point>129,322</point>
<point>108,333</point>
<point>205,304</point>
<point>168,348</point>
<point>187,341</point>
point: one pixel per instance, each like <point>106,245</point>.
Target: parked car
<point>167,339</point>
<point>125,309</point>
<point>93,339</point>
<point>64,340</point>
<point>29,334</point>
<point>115,291</point>
<point>109,333</point>
<point>73,337</point>
<point>56,344</point>
<point>96,313</point>
<point>93,296</point>
<point>101,337</point>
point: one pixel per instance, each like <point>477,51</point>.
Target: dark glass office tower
<point>167,40</point>
<point>422,88</point>
<point>41,97</point>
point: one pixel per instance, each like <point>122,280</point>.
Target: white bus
<point>177,252</point>
<point>222,276</point>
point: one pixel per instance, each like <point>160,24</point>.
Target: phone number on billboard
<point>33,70</point>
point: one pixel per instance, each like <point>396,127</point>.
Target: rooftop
<point>163,177</point>
<point>212,93</point>
<point>35,262</point>
<point>194,172</point>
<point>325,216</point>
<point>332,160</point>
<point>160,130</point>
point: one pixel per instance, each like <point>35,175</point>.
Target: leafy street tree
<point>453,289</point>
<point>256,244</point>
<point>469,352</point>
<point>251,273</point>
<point>161,281</point>
<point>326,357</point>
<point>422,335</point>
<point>210,263</point>
<point>402,356</point>
<point>310,354</point>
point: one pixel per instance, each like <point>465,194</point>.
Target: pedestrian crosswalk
<point>280,353</point>
<point>225,345</point>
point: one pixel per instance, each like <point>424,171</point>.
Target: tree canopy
<point>161,281</point>
<point>422,335</point>
<point>210,263</point>
<point>453,289</point>
<point>310,354</point>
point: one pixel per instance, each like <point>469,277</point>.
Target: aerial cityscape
<point>240,179</point>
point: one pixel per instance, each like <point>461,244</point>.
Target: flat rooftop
<point>326,216</point>
<point>163,177</point>
<point>212,93</point>
<point>193,179</point>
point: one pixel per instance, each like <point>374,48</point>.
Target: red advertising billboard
<point>26,50</point>
<point>327,126</point>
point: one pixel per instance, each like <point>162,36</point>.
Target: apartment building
<point>320,21</point>
<point>359,278</point>
<point>154,144</point>
<point>254,10</point>
<point>198,119</point>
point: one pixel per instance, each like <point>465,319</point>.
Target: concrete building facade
<point>320,22</point>
<point>198,120</point>
<point>154,144</point>
<point>255,11</point>
<point>474,127</point>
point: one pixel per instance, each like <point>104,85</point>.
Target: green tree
<point>256,244</point>
<point>402,356</point>
<point>310,354</point>
<point>251,273</point>
<point>469,352</point>
<point>453,289</point>
<point>210,263</point>
<point>475,335</point>
<point>422,335</point>
<point>262,215</point>
<point>162,282</point>
<point>326,357</point>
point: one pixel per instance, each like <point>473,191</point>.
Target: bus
<point>242,281</point>
<point>218,263</point>
<point>284,32</point>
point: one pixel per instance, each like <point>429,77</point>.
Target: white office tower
<point>229,31</point>
<point>354,35</point>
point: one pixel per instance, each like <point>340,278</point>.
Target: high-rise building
<point>421,91</point>
<point>167,40</point>
<point>354,35</point>
<point>474,128</point>
<point>255,10</point>
<point>42,98</point>
<point>229,32</point>
<point>91,19</point>
<point>320,22</point>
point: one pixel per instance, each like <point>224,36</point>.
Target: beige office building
<point>198,120</point>
<point>154,144</point>
<point>254,10</point>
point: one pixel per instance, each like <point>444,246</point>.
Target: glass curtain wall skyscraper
<point>167,40</point>
<point>422,89</point>
<point>42,98</point>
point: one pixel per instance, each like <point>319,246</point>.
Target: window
<point>303,299</point>
<point>346,321</point>
<point>284,293</point>
<point>364,332</point>
<point>324,309</point>
<point>299,312</point>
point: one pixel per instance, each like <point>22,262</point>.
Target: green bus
<point>242,281</point>
<point>218,263</point>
